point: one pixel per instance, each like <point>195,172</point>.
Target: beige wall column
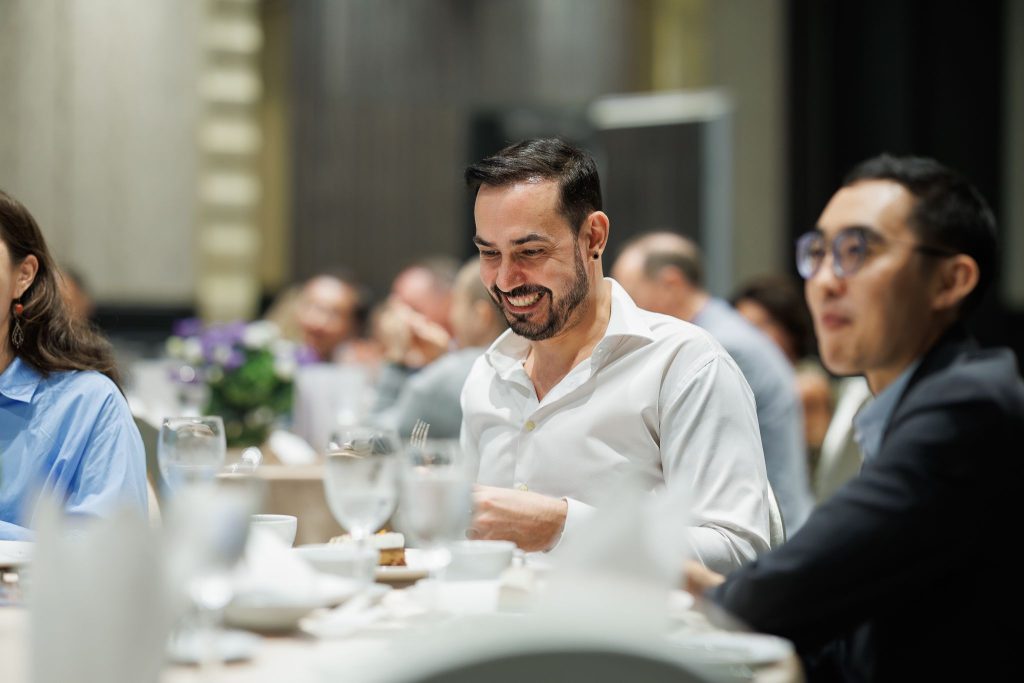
<point>230,143</point>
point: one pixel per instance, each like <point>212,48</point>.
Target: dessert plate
<point>414,569</point>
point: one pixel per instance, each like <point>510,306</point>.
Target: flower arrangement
<point>247,370</point>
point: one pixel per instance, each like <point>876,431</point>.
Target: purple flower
<point>234,360</point>
<point>304,355</point>
<point>187,327</point>
<point>219,337</point>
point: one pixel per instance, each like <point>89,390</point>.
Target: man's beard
<point>560,312</point>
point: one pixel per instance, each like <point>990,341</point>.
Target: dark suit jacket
<point>904,573</point>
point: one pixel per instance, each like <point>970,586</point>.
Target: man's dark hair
<point>784,301</point>
<point>949,212</point>
<point>545,159</point>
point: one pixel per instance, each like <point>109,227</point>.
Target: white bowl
<point>267,618</point>
<point>341,559</point>
<point>282,526</point>
<point>477,560</point>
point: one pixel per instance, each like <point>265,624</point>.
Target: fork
<point>418,437</point>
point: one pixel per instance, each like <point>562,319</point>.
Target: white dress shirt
<point>658,405</point>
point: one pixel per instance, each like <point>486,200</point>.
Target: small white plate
<point>414,569</point>
<point>727,647</point>
<point>232,646</point>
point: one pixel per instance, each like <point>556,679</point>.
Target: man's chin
<point>530,330</point>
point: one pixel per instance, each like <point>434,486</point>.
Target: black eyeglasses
<point>849,250</point>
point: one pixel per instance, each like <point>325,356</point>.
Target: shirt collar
<point>871,422</point>
<point>508,351</point>
<point>19,381</point>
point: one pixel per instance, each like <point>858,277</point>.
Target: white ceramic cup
<point>282,526</point>
<point>479,560</point>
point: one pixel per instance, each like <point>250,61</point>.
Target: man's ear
<point>595,233</point>
<point>957,278</point>
<point>25,274</point>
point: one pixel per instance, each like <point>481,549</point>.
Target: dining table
<point>330,648</point>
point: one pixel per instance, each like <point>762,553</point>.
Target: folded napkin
<point>271,573</point>
<point>615,573</point>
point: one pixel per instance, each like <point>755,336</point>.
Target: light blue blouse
<point>70,433</point>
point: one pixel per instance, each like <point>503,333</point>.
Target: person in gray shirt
<point>662,272</point>
<point>432,392</point>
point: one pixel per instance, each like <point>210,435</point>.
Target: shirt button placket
<point>528,427</point>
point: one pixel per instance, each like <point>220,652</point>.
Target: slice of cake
<point>391,545</point>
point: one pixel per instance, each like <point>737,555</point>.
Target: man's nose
<point>825,278</point>
<point>509,276</point>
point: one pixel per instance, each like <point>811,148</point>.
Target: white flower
<point>221,353</point>
<point>192,351</point>
<point>175,347</point>
<point>259,334</point>
<point>282,347</point>
<point>284,367</point>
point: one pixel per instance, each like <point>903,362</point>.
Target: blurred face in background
<point>327,314</point>
<point>417,288</point>
<point>758,316</point>
<point>647,293</point>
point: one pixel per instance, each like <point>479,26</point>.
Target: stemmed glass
<point>361,479</point>
<point>190,450</point>
<point>436,501</point>
<point>207,527</point>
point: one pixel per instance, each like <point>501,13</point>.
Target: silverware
<point>418,437</point>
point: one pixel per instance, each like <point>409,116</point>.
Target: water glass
<point>436,499</point>
<point>191,450</point>
<point>361,478</point>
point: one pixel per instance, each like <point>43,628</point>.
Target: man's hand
<point>408,337</point>
<point>699,578</point>
<point>534,522</point>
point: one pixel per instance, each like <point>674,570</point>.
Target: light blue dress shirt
<point>870,423</point>
<point>70,434</point>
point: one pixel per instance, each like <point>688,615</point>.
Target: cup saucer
<point>232,646</point>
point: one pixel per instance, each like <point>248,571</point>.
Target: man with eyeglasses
<point>867,589</point>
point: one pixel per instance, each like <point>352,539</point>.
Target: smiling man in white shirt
<point>587,393</point>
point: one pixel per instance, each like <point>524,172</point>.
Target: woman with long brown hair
<point>65,428</point>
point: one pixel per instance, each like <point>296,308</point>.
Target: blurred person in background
<point>663,273</point>
<point>432,394</point>
<point>413,327</point>
<point>901,254</point>
<point>330,311</point>
<point>79,301</point>
<point>65,429</point>
<point>775,306</point>
<point>586,393</point>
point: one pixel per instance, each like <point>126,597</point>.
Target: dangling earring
<point>17,334</point>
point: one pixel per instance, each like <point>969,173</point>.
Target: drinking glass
<point>190,450</point>
<point>361,479</point>
<point>436,500</point>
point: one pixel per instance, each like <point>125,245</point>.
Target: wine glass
<point>207,527</point>
<point>191,450</point>
<point>436,500</point>
<point>361,479</point>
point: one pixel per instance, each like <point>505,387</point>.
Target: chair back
<point>567,663</point>
<point>155,482</point>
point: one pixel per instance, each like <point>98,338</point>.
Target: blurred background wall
<point>202,155</point>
